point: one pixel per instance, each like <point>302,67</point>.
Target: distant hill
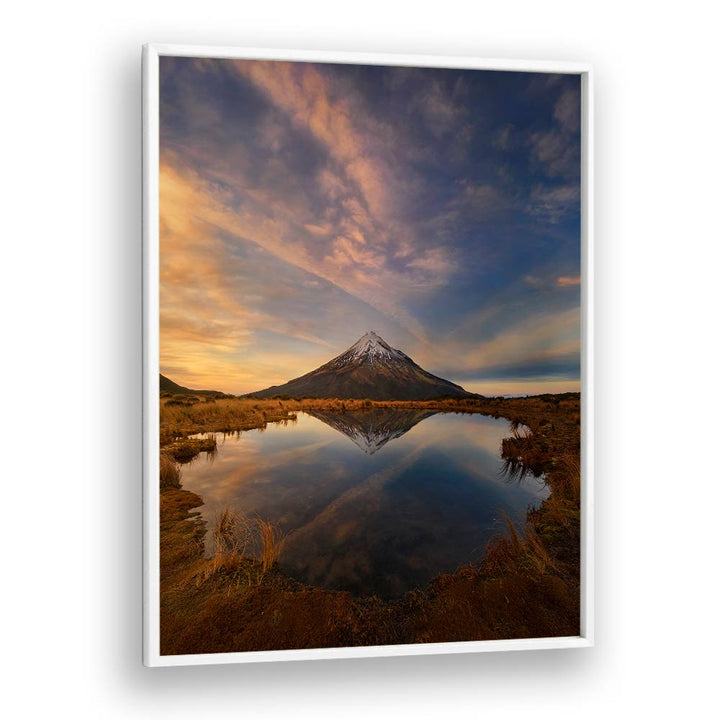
<point>368,369</point>
<point>167,385</point>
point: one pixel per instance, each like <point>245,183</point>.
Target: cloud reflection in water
<point>423,496</point>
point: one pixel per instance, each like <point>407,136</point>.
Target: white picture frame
<point>151,393</point>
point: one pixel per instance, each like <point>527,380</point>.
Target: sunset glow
<point>303,204</point>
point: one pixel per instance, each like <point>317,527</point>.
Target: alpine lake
<point>375,502</point>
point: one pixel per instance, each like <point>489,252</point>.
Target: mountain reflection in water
<point>371,429</point>
<point>366,521</point>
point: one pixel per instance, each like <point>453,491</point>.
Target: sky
<point>303,204</point>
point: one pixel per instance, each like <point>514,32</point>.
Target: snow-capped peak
<point>373,346</point>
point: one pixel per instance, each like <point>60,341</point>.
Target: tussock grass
<point>271,540</point>
<point>569,471</point>
<point>186,449</point>
<point>244,549</point>
<point>232,533</point>
<point>514,552</point>
<point>169,471</point>
<point>562,508</point>
<point>222,415</point>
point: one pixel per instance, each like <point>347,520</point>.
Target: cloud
<point>347,252</point>
<point>554,202</point>
<point>567,110</point>
<point>482,199</point>
<point>441,113</point>
<point>305,94</point>
<point>346,263</point>
<point>537,339</point>
<point>502,139</point>
<point>344,219</point>
<point>217,294</point>
<point>547,283</point>
<point>557,149</point>
<point>534,339</point>
<point>201,325</point>
<point>434,262</point>
<point>556,152</point>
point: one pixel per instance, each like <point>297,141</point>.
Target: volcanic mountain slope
<point>369,369</point>
<point>370,430</point>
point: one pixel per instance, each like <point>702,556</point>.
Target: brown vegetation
<point>526,585</point>
<point>169,471</point>
<point>179,418</point>
<point>185,449</point>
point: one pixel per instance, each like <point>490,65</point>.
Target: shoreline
<point>526,586</point>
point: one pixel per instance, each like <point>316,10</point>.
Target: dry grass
<point>232,533</point>
<point>169,471</point>
<point>514,553</point>
<point>271,542</point>
<point>244,550</point>
<point>223,415</point>
<point>551,541</point>
<point>186,449</point>
<point>569,469</point>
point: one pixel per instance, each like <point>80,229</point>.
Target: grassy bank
<point>527,584</point>
<point>182,415</point>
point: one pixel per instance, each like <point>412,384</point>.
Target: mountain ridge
<point>170,386</point>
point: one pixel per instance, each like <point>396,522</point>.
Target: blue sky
<point>304,204</point>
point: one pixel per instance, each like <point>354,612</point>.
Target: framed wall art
<point>368,355</point>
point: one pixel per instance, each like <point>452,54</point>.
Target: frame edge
<point>151,53</point>
<point>150,340</point>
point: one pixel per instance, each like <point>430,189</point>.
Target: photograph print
<point>369,352</point>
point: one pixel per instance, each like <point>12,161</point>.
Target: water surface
<point>374,502</point>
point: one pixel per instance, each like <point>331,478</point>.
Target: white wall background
<point>70,367</point>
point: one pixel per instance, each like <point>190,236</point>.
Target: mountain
<point>167,385</point>
<point>369,369</point>
<point>371,429</point>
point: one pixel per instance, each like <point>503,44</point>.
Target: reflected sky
<point>381,523</point>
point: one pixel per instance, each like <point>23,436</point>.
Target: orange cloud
<point>363,190</point>
<point>305,95</point>
<point>568,281</point>
<point>350,264</point>
<point>207,334</point>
